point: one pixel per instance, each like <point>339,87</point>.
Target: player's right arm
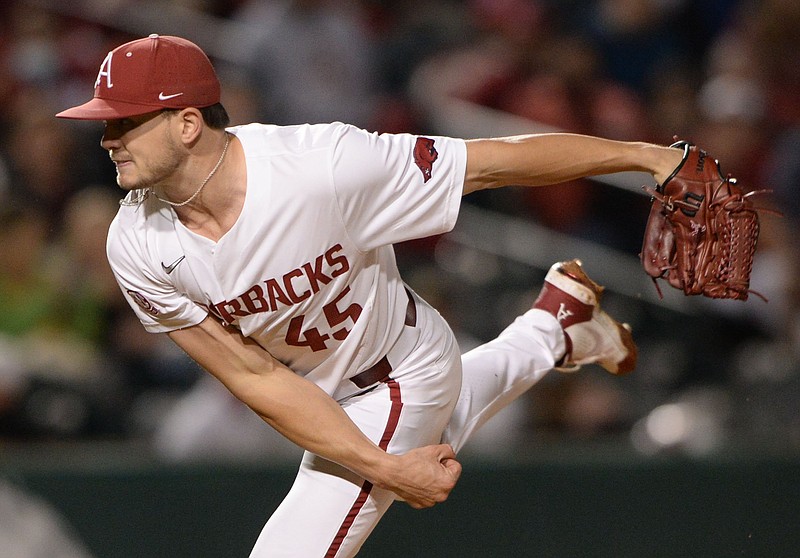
<point>306,415</point>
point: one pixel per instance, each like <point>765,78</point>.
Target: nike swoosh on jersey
<point>171,267</point>
<point>163,97</point>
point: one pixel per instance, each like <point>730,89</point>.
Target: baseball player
<point>265,252</point>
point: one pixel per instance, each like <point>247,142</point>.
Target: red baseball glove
<point>702,231</point>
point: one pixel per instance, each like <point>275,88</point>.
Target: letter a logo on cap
<point>105,70</point>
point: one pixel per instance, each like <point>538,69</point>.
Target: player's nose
<point>109,140</point>
<point>113,130</point>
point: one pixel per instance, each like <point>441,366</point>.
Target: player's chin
<point>127,181</point>
<point>124,178</point>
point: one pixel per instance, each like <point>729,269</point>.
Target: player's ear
<point>190,125</point>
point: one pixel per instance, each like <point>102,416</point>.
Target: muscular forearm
<point>307,416</point>
<point>538,160</point>
<point>295,407</point>
<point>303,413</point>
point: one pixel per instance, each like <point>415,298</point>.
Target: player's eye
<point>121,126</point>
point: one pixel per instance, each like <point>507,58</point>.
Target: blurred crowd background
<point>76,366</point>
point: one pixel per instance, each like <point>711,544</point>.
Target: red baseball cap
<point>157,72</point>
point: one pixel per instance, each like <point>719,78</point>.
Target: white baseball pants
<point>434,395</point>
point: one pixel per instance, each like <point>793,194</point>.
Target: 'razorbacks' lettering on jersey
<point>292,288</point>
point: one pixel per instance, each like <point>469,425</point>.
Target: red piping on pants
<point>366,488</point>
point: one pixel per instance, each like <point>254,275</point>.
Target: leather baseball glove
<point>702,230</point>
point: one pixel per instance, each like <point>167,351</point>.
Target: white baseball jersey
<point>308,270</point>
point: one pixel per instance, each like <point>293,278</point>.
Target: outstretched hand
<point>425,476</point>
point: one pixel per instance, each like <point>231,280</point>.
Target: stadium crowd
<point>76,365</point>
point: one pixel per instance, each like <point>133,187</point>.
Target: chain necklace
<point>142,195</point>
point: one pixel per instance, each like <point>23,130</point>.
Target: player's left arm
<point>542,159</point>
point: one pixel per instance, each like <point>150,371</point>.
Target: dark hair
<point>215,116</point>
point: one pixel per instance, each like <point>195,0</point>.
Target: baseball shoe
<point>591,335</point>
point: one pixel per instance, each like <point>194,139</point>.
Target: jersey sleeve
<point>156,302</point>
<point>396,187</point>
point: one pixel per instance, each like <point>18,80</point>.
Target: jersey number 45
<point>312,337</point>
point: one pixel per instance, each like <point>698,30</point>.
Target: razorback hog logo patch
<point>425,155</point>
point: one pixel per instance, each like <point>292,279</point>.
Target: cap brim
<point>103,109</point>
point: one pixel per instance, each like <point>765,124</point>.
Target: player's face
<point>142,150</point>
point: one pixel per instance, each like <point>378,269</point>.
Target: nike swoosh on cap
<point>171,267</point>
<point>163,97</point>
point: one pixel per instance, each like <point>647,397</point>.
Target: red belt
<point>381,369</point>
